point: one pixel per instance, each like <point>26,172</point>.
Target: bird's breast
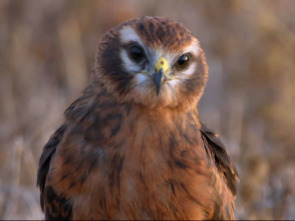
<point>151,171</point>
<point>142,168</point>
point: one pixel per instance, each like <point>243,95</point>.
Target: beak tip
<point>157,91</point>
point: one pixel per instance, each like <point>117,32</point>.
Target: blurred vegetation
<point>47,49</point>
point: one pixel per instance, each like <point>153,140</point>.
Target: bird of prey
<point>132,146</point>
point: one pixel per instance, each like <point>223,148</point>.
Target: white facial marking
<point>129,65</point>
<point>193,48</point>
<point>160,52</point>
<point>173,83</point>
<point>191,69</point>
<point>128,34</point>
<point>144,85</point>
<point>195,51</point>
<point>140,78</point>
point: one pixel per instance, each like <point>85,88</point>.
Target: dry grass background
<point>47,48</point>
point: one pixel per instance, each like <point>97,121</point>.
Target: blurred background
<point>47,49</point>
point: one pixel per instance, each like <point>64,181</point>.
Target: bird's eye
<point>182,62</point>
<point>136,53</point>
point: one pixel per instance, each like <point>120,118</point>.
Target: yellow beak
<point>161,69</point>
<point>162,63</point>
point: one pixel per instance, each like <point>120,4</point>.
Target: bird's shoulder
<point>221,157</point>
<point>62,164</point>
<point>55,204</point>
<point>226,175</point>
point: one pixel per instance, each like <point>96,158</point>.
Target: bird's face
<point>154,62</point>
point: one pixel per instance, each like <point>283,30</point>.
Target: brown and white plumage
<point>132,146</point>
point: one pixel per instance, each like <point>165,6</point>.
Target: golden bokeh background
<point>47,50</point>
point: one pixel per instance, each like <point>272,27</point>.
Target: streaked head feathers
<point>128,54</point>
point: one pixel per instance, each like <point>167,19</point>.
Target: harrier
<point>132,146</point>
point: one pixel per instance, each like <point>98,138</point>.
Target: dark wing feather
<point>48,151</point>
<point>221,157</point>
<point>54,206</point>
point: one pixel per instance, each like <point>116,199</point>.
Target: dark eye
<point>182,62</point>
<point>136,53</point>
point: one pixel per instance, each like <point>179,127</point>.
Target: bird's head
<point>154,62</point>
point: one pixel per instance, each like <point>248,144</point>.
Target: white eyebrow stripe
<point>128,34</point>
<point>193,48</point>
